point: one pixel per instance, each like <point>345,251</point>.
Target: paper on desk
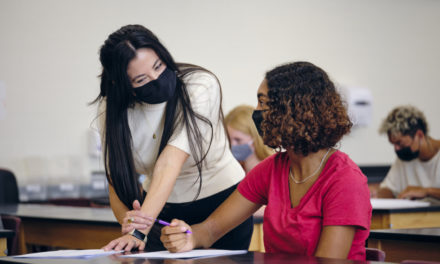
<point>86,253</point>
<point>381,203</point>
<point>197,253</point>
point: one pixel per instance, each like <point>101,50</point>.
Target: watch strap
<point>139,235</point>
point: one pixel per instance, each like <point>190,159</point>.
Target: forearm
<point>167,169</point>
<point>118,208</point>
<point>433,192</point>
<point>232,212</point>
<point>158,192</point>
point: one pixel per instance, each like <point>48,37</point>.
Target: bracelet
<point>139,235</point>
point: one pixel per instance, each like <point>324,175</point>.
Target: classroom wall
<point>49,59</point>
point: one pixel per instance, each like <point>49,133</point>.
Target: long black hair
<point>118,50</point>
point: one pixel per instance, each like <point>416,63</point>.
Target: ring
<point>130,220</point>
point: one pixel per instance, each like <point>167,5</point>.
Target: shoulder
<point>200,81</point>
<point>273,162</point>
<point>344,168</point>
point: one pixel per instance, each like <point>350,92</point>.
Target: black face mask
<point>159,90</point>
<point>257,116</point>
<point>406,154</point>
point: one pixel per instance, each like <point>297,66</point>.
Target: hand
<point>413,192</point>
<point>175,238</point>
<point>125,242</point>
<point>136,219</point>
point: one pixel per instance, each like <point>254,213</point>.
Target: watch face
<point>139,235</point>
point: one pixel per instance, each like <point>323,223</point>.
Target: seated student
<point>246,144</point>
<point>416,172</point>
<point>317,198</point>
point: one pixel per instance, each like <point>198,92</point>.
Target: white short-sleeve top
<point>413,173</point>
<point>220,168</point>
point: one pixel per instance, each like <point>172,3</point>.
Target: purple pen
<point>162,222</point>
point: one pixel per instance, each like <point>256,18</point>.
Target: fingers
<point>176,245</point>
<point>175,227</point>
<point>126,243</point>
<point>175,238</point>
<point>136,205</point>
<point>138,221</point>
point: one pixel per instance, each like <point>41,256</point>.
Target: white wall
<point>49,59</point>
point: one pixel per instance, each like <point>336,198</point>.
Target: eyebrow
<point>143,74</point>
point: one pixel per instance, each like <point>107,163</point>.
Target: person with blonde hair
<point>246,144</point>
<point>416,172</point>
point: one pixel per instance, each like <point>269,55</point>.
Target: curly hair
<point>405,120</point>
<point>305,112</point>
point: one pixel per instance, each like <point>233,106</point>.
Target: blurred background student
<point>246,144</point>
<point>416,172</point>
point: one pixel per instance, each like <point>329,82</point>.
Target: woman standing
<point>163,120</point>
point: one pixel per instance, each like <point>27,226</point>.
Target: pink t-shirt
<point>340,196</point>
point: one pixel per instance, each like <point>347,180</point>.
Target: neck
<point>304,166</point>
<point>251,162</point>
<point>428,148</point>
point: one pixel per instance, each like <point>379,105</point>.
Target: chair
<point>9,195</point>
<point>8,187</point>
<point>374,254</point>
<point>12,223</point>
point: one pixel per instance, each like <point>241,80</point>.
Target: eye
<point>139,81</point>
<point>158,66</point>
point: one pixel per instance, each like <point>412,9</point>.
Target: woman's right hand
<point>136,219</point>
<point>175,238</point>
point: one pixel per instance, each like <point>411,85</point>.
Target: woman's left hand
<point>126,242</point>
<point>136,219</point>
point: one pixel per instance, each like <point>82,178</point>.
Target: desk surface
<point>250,257</point>
<point>413,234</point>
<point>57,212</point>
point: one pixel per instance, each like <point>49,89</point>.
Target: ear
<point>420,133</point>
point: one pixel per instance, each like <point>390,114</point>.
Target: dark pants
<point>196,212</point>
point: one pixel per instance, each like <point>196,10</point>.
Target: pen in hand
<point>168,224</point>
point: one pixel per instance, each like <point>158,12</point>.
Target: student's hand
<point>175,238</point>
<point>413,192</point>
<point>136,219</point>
<point>125,242</point>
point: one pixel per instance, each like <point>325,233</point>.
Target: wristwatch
<point>139,235</point>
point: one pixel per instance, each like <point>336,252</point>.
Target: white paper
<point>86,253</point>
<point>380,203</point>
<point>197,253</point>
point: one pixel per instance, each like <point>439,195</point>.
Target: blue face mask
<point>241,152</point>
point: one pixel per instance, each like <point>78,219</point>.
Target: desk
<point>250,257</point>
<point>4,235</point>
<point>401,244</point>
<point>64,226</point>
<point>420,217</point>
